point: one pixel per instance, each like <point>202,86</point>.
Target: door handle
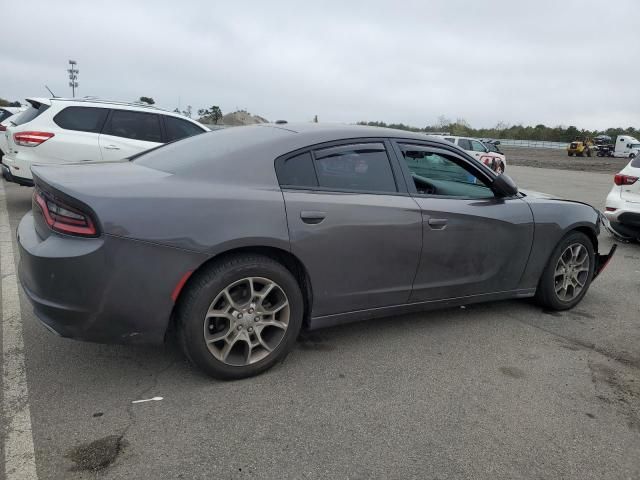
<point>112,147</point>
<point>437,223</point>
<point>312,217</point>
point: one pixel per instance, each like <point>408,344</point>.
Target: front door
<point>474,242</point>
<point>357,233</point>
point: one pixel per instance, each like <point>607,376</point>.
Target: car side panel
<point>553,220</point>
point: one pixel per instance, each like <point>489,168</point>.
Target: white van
<point>626,147</point>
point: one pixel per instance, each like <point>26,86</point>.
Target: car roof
<point>311,133</point>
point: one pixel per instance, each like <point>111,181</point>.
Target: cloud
<point>548,62</point>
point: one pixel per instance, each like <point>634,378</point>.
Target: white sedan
<point>622,207</point>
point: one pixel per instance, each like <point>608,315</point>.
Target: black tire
<point>632,155</point>
<point>570,154</point>
<point>499,167</point>
<point>588,153</point>
<point>546,294</point>
<point>202,291</point>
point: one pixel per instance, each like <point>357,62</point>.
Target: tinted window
<point>449,139</point>
<point>297,171</point>
<point>176,128</point>
<point>30,113</point>
<point>4,114</point>
<point>134,125</point>
<point>477,146</point>
<point>83,119</point>
<point>635,162</point>
<point>442,175</point>
<point>363,167</point>
<point>464,144</point>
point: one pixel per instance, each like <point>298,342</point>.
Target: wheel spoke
<point>240,326</point>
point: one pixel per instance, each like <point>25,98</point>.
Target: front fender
<point>554,219</point>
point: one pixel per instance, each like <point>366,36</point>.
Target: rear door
<point>353,225</point>
<point>473,242</point>
<point>128,132</point>
<point>76,134</point>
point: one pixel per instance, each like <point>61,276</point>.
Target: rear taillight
<point>63,218</point>
<point>31,139</point>
<point>620,179</point>
<point>3,128</point>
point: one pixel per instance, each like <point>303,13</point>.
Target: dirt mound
<point>241,117</point>
<point>557,158</point>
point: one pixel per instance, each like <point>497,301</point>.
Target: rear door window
<point>176,128</point>
<point>357,167</point>
<point>83,119</point>
<point>464,144</point>
<point>135,125</point>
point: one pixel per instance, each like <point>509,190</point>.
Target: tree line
<point>543,132</point>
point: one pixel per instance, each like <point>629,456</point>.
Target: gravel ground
<point>555,158</point>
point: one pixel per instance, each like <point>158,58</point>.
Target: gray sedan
<point>235,240</point>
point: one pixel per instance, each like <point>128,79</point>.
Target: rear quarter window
<point>177,128</point>
<point>297,171</point>
<point>635,163</point>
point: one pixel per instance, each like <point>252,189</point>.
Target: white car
<point>57,130</point>
<point>496,161</point>
<point>622,207</point>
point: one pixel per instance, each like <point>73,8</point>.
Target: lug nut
<point>239,327</point>
<point>250,329</point>
<point>239,315</point>
<point>256,319</point>
<point>251,310</point>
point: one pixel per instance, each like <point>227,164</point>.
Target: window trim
<point>482,172</point>
<point>97,131</point>
<point>110,117</point>
<point>398,177</point>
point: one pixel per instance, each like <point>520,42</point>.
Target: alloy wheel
<point>246,321</point>
<point>572,272</point>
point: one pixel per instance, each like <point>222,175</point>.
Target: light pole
<point>73,76</point>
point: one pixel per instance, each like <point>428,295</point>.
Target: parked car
<point>492,145</point>
<point>64,130</point>
<point>6,112</point>
<point>622,206</point>
<point>477,149</point>
<point>235,240</point>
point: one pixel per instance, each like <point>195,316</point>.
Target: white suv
<point>496,161</point>
<point>57,130</point>
<point>622,207</point>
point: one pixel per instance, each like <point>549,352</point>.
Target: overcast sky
<point>555,62</point>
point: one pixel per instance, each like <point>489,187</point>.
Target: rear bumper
<point>106,289</point>
<point>9,177</point>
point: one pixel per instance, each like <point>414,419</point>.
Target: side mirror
<point>504,186</point>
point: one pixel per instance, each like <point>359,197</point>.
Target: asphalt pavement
<point>495,391</point>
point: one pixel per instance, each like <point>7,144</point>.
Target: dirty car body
<point>395,242</point>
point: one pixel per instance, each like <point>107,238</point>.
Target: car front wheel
<point>568,274</point>
<point>240,316</point>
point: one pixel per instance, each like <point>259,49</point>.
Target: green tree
<point>148,100</point>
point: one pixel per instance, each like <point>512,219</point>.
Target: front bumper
<point>106,289</point>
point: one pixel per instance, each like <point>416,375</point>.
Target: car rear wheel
<point>567,276</point>
<point>240,316</point>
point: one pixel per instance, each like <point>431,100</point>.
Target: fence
<point>507,142</point>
